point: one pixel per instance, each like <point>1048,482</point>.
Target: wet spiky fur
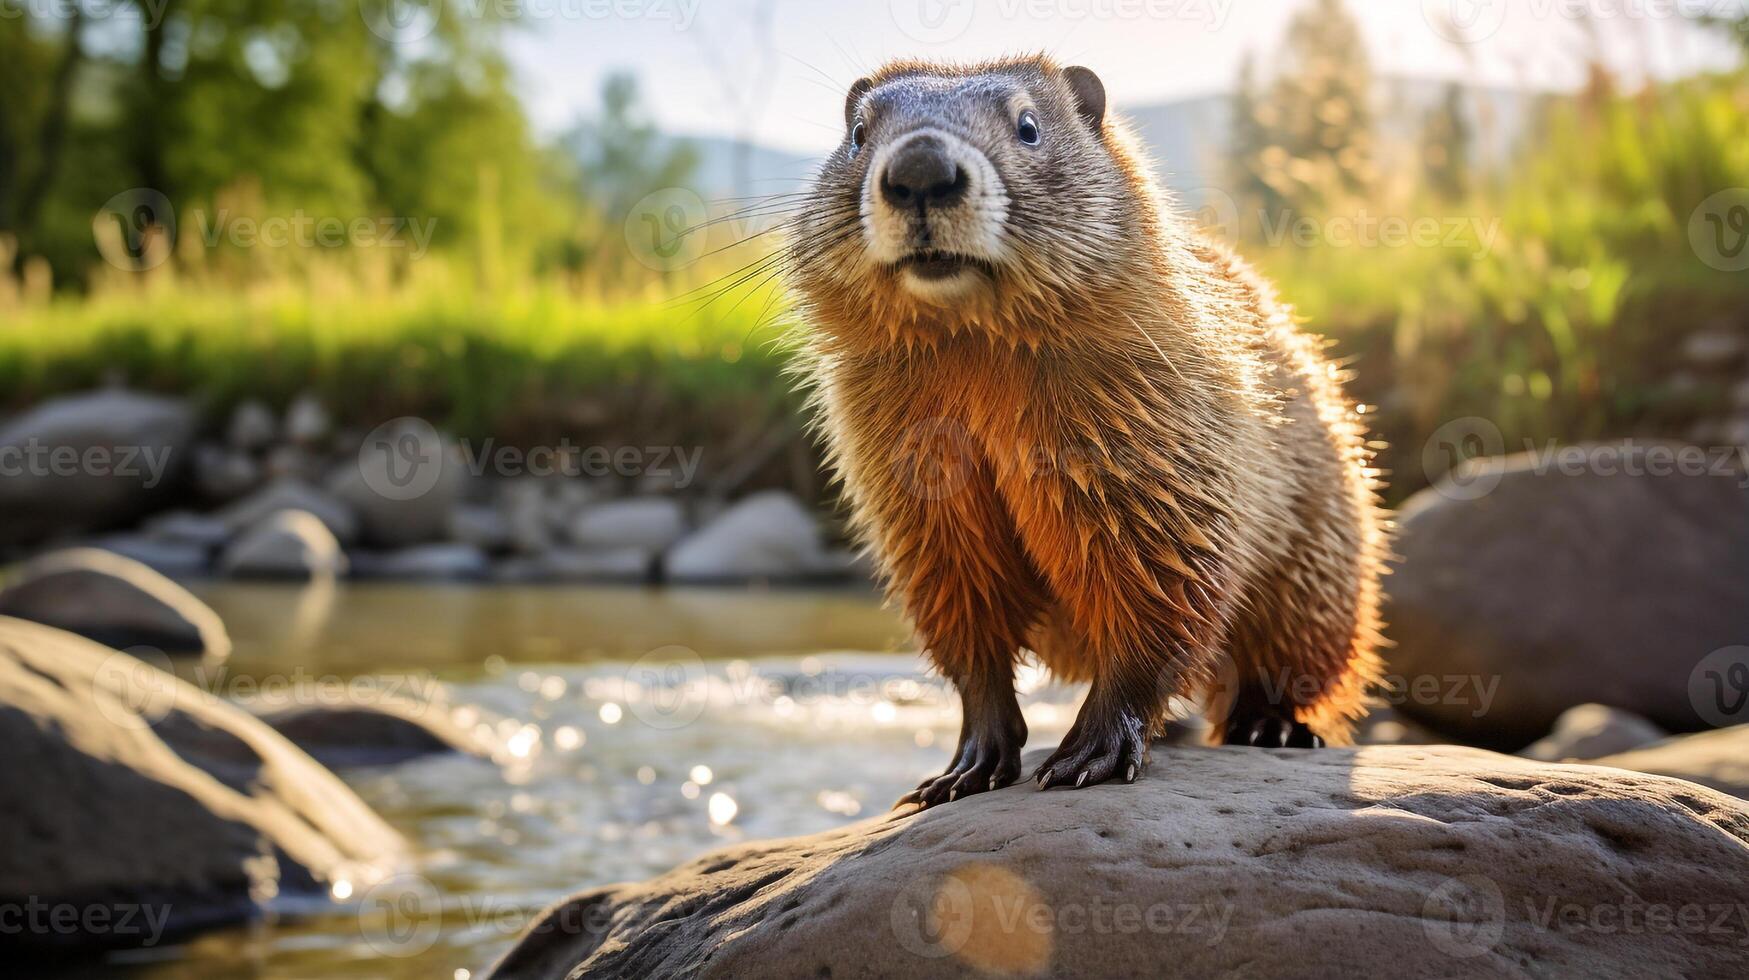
<point>1122,455</point>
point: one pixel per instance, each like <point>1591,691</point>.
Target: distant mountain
<point>731,168</point>
<point>1187,139</point>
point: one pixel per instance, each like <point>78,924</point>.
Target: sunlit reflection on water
<point>611,765</point>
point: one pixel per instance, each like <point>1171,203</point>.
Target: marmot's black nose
<point>921,174</point>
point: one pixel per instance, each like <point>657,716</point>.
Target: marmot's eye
<point>857,133</point>
<point>1027,129</point>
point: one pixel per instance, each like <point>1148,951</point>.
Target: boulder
<point>1591,731</point>
<point>1391,861</point>
<point>222,475</point>
<point>286,544</point>
<point>1719,758</point>
<point>481,525</point>
<point>88,462</point>
<point>428,562</point>
<point>290,494</point>
<point>114,600</point>
<point>1719,345</point>
<point>524,504</point>
<point>768,535</point>
<point>649,523</point>
<point>185,527</point>
<point>149,809</point>
<point>1557,590</point>
<point>306,421</point>
<point>177,559</point>
<point>382,729</point>
<point>403,484</point>
<point>621,565</point>
<point>252,427</point>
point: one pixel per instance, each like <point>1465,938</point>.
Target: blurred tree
<point>621,158</point>
<point>1446,139</point>
<point>274,107</point>
<point>1321,107</point>
<point>1250,141</point>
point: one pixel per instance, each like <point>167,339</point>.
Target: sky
<point>775,71</point>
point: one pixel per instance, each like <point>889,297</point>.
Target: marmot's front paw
<point>982,763</point>
<point>1089,755</point>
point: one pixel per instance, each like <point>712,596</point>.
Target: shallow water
<point>637,729</point>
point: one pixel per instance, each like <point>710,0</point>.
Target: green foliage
<point>520,367</point>
<point>1445,147</point>
<point>1305,136</point>
<point>277,108</point>
<point>1568,326</point>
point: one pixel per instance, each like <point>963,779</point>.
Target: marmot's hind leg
<point>1257,719</point>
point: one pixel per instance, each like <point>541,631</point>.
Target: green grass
<point>524,366</point>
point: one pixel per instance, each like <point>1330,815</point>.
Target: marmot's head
<point>971,195</point>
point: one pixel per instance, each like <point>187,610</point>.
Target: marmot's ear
<point>857,91</point>
<point>1089,94</point>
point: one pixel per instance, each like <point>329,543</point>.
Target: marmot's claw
<point>980,765</point>
<point>1086,760</point>
<point>1271,732</point>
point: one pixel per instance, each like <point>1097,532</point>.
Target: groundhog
<point>1066,423</point>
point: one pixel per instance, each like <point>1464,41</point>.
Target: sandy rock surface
<point>129,793</point>
<point>1382,861</point>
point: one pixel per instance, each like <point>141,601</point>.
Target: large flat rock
<point>135,807</point>
<point>1389,861</point>
<point>1606,574</point>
